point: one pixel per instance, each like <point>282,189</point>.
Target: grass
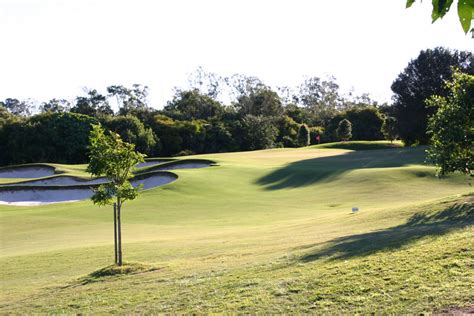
<point>264,231</point>
<point>361,145</point>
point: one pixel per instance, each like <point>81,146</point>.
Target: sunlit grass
<point>264,231</point>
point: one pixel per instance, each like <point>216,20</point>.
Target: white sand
<point>59,180</point>
<point>154,181</point>
<point>43,196</point>
<point>32,197</point>
<point>27,172</point>
<point>150,163</point>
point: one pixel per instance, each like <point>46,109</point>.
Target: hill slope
<point>263,231</point>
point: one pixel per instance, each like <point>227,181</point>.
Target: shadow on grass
<point>429,223</point>
<point>311,171</point>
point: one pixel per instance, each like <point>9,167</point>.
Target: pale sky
<point>54,48</point>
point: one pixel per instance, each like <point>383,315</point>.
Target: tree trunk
<point>115,232</point>
<point>119,230</point>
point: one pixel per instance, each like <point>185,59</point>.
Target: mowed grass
<point>264,231</point>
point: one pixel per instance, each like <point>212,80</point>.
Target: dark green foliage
<point>452,127</point>
<point>344,130</point>
<point>422,78</point>
<point>94,104</point>
<point>176,136</point>
<point>389,128</point>
<point>260,102</point>
<point>314,132</point>
<point>298,114</point>
<point>168,132</point>
<point>193,134</point>
<point>258,133</point>
<point>218,138</point>
<point>287,131</point>
<point>48,137</point>
<point>366,124</point>
<point>132,130</point>
<point>191,105</point>
<point>6,117</point>
<point>303,135</point>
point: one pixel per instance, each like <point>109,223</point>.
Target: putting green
<point>258,229</point>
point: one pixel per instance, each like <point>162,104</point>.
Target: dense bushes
<point>133,131</point>
<point>48,137</point>
<point>190,124</point>
<point>366,124</point>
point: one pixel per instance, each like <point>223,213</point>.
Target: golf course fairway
<point>267,231</point>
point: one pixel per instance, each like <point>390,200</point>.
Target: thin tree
<point>389,128</point>
<point>344,130</point>
<point>303,135</point>
<point>115,159</point>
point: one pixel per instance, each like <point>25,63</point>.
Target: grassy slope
<point>264,231</point>
<point>361,145</point>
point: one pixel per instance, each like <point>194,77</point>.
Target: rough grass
<point>265,231</point>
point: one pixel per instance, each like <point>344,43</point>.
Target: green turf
<point>361,145</point>
<point>264,231</point>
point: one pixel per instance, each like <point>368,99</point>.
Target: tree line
<point>221,114</point>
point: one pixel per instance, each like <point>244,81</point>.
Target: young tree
<point>303,135</point>
<point>115,159</point>
<point>389,128</point>
<point>344,130</point>
<point>452,127</point>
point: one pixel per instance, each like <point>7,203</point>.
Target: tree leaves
<point>466,13</point>
<point>441,7</point>
<point>451,127</point>
<point>114,158</point>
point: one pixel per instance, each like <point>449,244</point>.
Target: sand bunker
<point>27,172</point>
<point>58,180</point>
<point>64,188</point>
<point>40,194</point>
<point>155,180</point>
<point>151,163</point>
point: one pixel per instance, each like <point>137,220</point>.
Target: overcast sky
<point>54,48</point>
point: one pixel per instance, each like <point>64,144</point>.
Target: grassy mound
<point>128,268</point>
<point>361,145</point>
